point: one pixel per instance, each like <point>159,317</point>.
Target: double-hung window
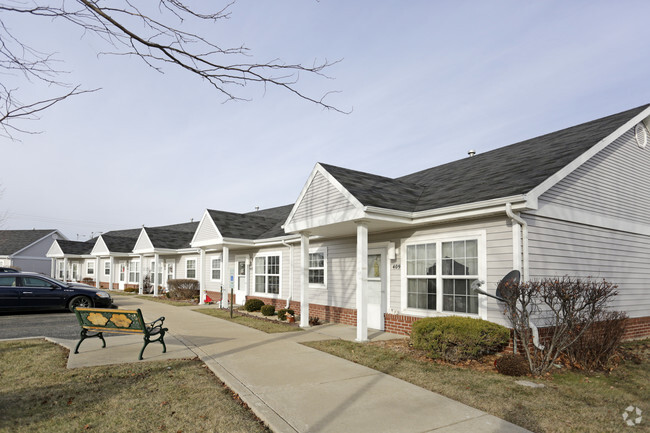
<point>215,269</point>
<point>439,276</point>
<point>90,268</point>
<point>134,272</point>
<point>267,274</point>
<point>107,267</point>
<point>318,267</point>
<point>190,268</point>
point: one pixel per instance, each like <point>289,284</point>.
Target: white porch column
<point>362,281</point>
<point>111,272</point>
<point>156,265</point>
<point>97,273</point>
<point>225,273</point>
<point>53,268</point>
<point>201,277</point>
<point>141,279</point>
<point>65,269</point>
<point>304,279</point>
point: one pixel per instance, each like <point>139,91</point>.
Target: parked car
<point>26,291</point>
<point>2,270</point>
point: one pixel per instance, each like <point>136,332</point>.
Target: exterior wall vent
<point>641,135</point>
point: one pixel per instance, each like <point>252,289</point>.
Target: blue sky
<point>426,81</point>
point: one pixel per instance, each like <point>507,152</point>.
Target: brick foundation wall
<point>325,313</point>
<point>637,328</point>
<point>215,296</point>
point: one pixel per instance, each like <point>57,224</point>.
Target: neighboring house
<point>27,249</point>
<point>247,252</point>
<point>72,260</point>
<point>113,252</point>
<point>574,202</point>
<point>162,250</point>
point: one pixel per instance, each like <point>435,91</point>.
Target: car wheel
<point>80,301</point>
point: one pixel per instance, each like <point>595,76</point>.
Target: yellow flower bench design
<point>100,320</point>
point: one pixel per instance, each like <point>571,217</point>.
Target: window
<point>35,282</point>
<point>317,267</point>
<point>107,267</point>
<point>134,272</point>
<point>190,268</point>
<point>61,270</point>
<point>8,281</point>
<point>215,269</point>
<point>122,270</point>
<point>267,274</point>
<point>439,276</point>
<point>90,268</point>
<point>421,276</point>
<point>459,269</point>
<point>75,271</point>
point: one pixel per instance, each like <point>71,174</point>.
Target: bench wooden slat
<point>102,320</point>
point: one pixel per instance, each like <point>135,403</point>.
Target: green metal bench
<point>100,320</point>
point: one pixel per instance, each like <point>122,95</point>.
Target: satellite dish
<point>504,289</point>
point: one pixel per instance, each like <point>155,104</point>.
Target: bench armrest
<point>155,323</point>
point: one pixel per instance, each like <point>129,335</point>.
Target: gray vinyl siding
<point>321,198</point>
<point>341,263</point>
<point>559,248</point>
<point>614,183</point>
<point>206,231</point>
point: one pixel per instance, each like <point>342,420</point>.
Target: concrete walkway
<point>291,387</point>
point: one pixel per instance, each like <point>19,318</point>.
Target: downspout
<point>524,234</point>
<point>524,268</point>
<point>290,272</point>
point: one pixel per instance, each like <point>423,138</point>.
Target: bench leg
<point>84,335</point>
<point>147,340</point>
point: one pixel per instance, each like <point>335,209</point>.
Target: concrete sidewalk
<point>291,387</point>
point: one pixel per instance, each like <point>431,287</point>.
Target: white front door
<point>241,281</point>
<point>376,288</point>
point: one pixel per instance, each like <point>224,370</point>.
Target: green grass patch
<point>38,394</point>
<point>268,326</point>
<point>569,402</point>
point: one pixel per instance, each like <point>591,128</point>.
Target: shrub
<point>458,338</point>
<point>183,289</point>
<point>282,313</point>
<point>512,365</point>
<point>567,307</point>
<point>131,289</point>
<point>253,305</point>
<point>88,280</point>
<point>595,347</point>
<point>267,310</point>
<point>314,321</point>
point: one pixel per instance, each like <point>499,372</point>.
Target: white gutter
<point>524,235</point>
<point>290,272</point>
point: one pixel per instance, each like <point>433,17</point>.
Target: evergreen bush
<point>253,305</point>
<point>267,310</point>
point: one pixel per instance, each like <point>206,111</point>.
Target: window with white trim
<point>267,274</point>
<point>134,271</point>
<point>107,267</point>
<point>318,267</point>
<point>439,276</point>
<point>190,268</point>
<point>61,269</point>
<point>215,268</point>
<point>90,268</point>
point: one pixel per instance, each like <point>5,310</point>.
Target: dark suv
<point>25,291</point>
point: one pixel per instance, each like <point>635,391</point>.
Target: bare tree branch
<point>153,32</point>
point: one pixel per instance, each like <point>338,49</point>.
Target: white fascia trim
<point>143,236</point>
<point>482,208</point>
<point>325,219</point>
<point>55,250</point>
<point>558,212</point>
<point>35,242</point>
<point>100,247</point>
<point>289,226</point>
<point>277,240</point>
<point>568,169</point>
<point>206,217</point>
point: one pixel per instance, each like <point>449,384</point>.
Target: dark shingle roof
<point>12,241</point>
<point>122,241</point>
<point>260,224</point>
<point>511,170</point>
<point>174,237</point>
<point>76,247</point>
